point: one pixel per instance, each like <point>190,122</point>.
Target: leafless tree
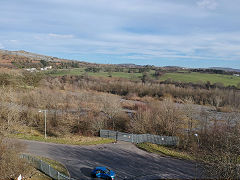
<point>111,107</point>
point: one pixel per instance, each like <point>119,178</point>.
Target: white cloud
<point>13,41</point>
<point>61,36</point>
<point>207,4</point>
<point>136,29</point>
<point>192,46</point>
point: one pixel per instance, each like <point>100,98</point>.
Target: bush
<point>32,79</point>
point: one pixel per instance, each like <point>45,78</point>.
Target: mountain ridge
<point>7,57</point>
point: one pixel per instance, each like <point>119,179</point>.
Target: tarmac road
<point>124,158</point>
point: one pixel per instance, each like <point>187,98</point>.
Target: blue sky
<point>189,33</point>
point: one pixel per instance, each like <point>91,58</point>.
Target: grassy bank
<point>55,164</point>
<point>38,175</point>
<point>27,133</point>
<point>165,151</point>
<point>72,140</point>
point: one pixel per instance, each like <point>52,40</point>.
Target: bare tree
<point>191,122</point>
<point>111,107</point>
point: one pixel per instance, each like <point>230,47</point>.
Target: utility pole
<point>45,122</point>
<point>196,166</point>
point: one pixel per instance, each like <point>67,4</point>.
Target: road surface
<point>124,158</point>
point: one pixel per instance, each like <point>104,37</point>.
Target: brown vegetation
<point>213,96</point>
<point>83,105</point>
<point>162,118</point>
<point>11,166</point>
<point>219,147</point>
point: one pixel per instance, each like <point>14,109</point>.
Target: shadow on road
<point>86,171</point>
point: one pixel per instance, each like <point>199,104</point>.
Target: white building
<point>46,68</point>
<point>31,69</point>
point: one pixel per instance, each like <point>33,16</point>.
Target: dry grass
<point>11,165</point>
<point>128,105</point>
<point>13,72</point>
<point>37,175</point>
<point>226,109</point>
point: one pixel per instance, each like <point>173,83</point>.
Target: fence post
<point>41,165</point>
<point>58,175</point>
<point>132,137</point>
<point>116,136</point>
<point>49,171</point>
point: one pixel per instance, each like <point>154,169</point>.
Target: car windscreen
<point>107,171</point>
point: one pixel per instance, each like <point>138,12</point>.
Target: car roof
<point>101,168</point>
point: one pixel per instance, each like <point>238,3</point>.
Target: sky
<point>187,33</point>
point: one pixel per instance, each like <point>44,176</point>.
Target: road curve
<point>124,158</point>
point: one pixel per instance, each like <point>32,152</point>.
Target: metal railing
<point>140,138</point>
<point>45,168</point>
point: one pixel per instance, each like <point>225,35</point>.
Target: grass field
<point>81,71</point>
<point>202,77</point>
<point>62,72</point>
<point>193,77</point>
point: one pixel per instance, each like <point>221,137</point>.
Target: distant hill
<point>129,65</point>
<point>225,69</point>
<point>174,67</point>
<point>28,56</point>
<point>8,58</point>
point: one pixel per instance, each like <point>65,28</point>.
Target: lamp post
<point>45,122</point>
<point>197,138</point>
<point>196,155</point>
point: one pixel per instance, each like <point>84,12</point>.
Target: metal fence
<point>45,168</point>
<point>140,138</point>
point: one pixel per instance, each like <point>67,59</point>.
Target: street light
<point>196,155</point>
<point>197,138</point>
<point>45,121</point>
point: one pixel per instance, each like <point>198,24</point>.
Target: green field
<point>193,77</point>
<point>202,77</point>
<point>81,71</point>
<point>63,72</point>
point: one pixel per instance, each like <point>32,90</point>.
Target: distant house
<point>31,69</point>
<point>236,75</point>
<point>46,68</point>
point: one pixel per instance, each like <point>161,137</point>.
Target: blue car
<point>103,172</point>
